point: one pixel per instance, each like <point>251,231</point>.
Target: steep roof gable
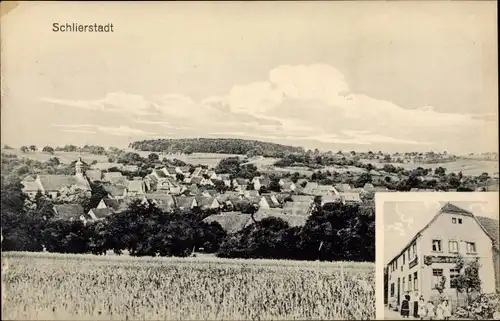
<point>448,208</point>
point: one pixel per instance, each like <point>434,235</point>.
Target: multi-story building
<point>419,267</point>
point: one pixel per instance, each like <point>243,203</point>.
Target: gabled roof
<point>302,198</point>
<point>203,201</point>
<point>94,174</point>
<point>136,186</point>
<point>171,170</point>
<point>159,173</point>
<point>184,201</point>
<point>68,211</point>
<point>240,181</point>
<point>450,209</point>
<point>492,227</point>
<point>231,222</point>
<point>111,203</point>
<point>114,190</point>
<point>331,199</point>
<point>297,208</point>
<point>196,180</point>
<point>269,201</point>
<point>351,197</point>
<point>292,220</point>
<point>30,186</point>
<point>52,183</point>
<point>101,212</point>
<point>28,178</point>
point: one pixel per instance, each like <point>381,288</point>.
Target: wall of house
<point>469,231</point>
<point>403,271</point>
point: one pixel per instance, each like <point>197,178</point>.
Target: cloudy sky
<point>403,219</point>
<point>394,76</point>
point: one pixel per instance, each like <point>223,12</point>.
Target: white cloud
<point>310,102</point>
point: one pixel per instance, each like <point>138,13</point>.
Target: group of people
<point>427,309</point>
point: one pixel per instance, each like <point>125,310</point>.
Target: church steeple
<point>79,167</point>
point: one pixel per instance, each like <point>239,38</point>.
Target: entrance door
<point>399,292</point>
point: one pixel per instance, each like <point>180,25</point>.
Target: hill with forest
<point>215,145</point>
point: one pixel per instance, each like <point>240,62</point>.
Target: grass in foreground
<point>78,287</point>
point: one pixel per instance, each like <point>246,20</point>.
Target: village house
<point>298,208</point>
<point>115,178</point>
<point>116,192</point>
<point>206,203</point>
<point>165,202</point>
<point>184,170</point>
<point>287,185</point>
<point>231,222</point>
<point>111,204</point>
<point>226,178</point>
<point>97,214</point>
<point>69,212</point>
<point>185,202</point>
<point>170,171</point>
<point>341,188</point>
<point>329,199</point>
<point>268,201</point>
<point>240,184</point>
<point>251,193</point>
<point>94,175</point>
<point>431,255</point>
<point>261,181</point>
<point>136,187</point>
<point>229,199</point>
<point>351,198</point>
<point>52,185</point>
<point>197,172</point>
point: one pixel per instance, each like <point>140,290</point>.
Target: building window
<point>453,245</point>
<point>453,276</point>
<point>436,245</point>
<point>437,275</point>
<point>409,283</point>
<point>415,283</point>
<point>414,246</point>
<point>392,289</point>
<point>453,220</point>
<point>404,257</point>
<point>459,221</point>
<point>404,284</point>
<point>471,247</point>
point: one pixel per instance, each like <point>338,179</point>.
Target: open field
<point>64,157</point>
<point>466,166</point>
<point>70,287</point>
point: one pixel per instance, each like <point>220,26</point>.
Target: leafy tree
<point>24,149</point>
<point>33,148</point>
<point>468,280</point>
<point>153,157</point>
<point>48,149</point>
<point>440,171</point>
<point>65,236</point>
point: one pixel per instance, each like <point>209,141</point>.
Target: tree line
<point>333,232</point>
<point>215,145</point>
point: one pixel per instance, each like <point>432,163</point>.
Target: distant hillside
<point>214,145</point>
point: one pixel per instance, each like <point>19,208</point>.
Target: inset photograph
<point>439,256</point>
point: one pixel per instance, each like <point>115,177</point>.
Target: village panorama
<point>212,202</point>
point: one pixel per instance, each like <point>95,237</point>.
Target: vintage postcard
<point>439,255</point>
<point>220,160</point>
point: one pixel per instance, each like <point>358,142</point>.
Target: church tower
<point>79,167</point>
